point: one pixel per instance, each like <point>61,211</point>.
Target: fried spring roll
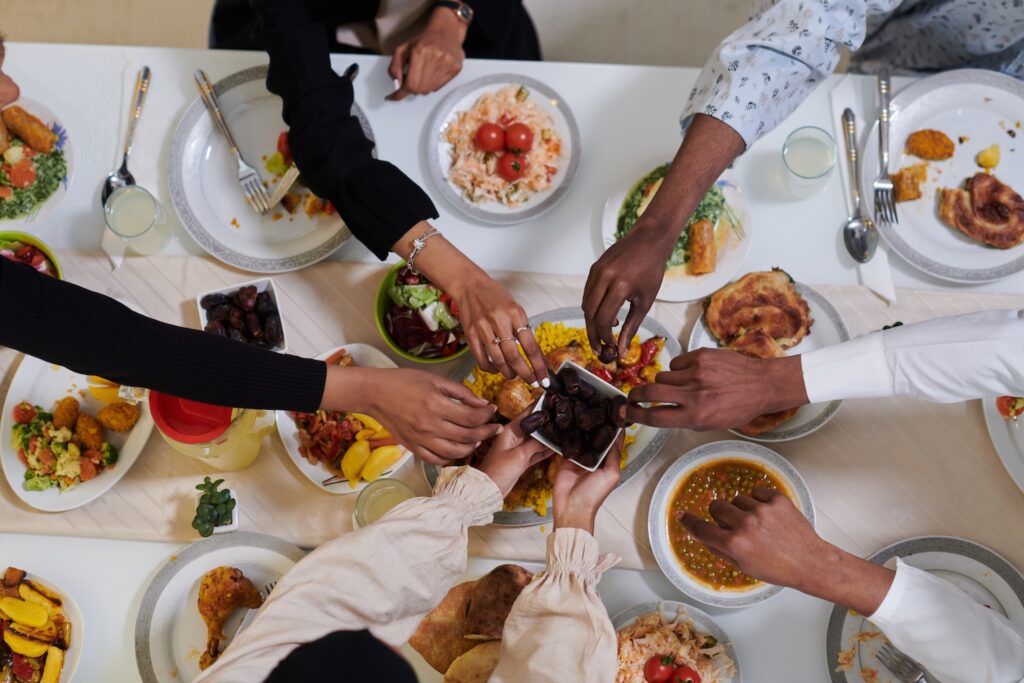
<point>5,137</point>
<point>702,247</point>
<point>31,130</point>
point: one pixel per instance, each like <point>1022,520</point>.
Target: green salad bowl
<point>25,238</point>
<point>383,306</point>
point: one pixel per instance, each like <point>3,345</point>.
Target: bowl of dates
<point>247,313</point>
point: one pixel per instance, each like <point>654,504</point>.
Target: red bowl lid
<point>188,421</point>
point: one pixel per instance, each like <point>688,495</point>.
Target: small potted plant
<point>216,509</point>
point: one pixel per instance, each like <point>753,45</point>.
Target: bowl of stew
<point>716,471</point>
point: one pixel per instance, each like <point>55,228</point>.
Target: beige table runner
<point>881,471</point>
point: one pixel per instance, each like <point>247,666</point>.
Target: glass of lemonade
<point>378,498</point>
<point>809,155</point>
<point>134,215</point>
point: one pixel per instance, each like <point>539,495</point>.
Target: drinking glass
<point>134,215</point>
<point>809,155</point>
<point>378,498</point>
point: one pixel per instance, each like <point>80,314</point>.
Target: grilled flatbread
<point>765,301</point>
<point>439,636</point>
<point>757,344</point>
<point>987,211</point>
<point>476,666</point>
<point>492,600</point>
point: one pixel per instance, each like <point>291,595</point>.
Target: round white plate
<point>649,440</point>
<point>669,609</point>
<point>657,516</point>
<point>982,105</point>
<point>680,286</point>
<point>366,356</point>
<point>170,635</point>
<point>43,384</point>
<point>1008,438</point>
<point>439,150</point>
<point>48,207</point>
<point>828,329</point>
<point>203,178</point>
<point>973,568</point>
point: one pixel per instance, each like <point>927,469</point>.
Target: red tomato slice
<point>5,192</point>
<point>490,138</point>
<point>22,174</point>
<point>87,470</point>
<point>659,668</point>
<point>283,148</point>
<point>518,137</point>
<point>685,674</point>
<point>24,413</point>
<point>1005,406</point>
<point>511,167</point>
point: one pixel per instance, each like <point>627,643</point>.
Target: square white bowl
<point>264,284</point>
<point>604,389</point>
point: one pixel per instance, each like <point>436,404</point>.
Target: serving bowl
<point>264,284</point>
<point>658,518</point>
<point>383,305</point>
<point>14,235</point>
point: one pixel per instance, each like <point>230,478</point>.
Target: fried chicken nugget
<point>89,432</point>
<point>66,412</point>
<point>930,144</point>
<point>31,130</point>
<point>119,416</point>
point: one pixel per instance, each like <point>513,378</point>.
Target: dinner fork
<point>905,668</point>
<point>248,616</point>
<point>885,206</point>
<point>248,178</point>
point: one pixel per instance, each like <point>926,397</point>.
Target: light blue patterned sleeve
<point>762,71</point>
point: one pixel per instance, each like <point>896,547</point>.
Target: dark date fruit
<point>592,418</point>
<point>218,312</point>
<point>617,411</point>
<point>601,438</point>
<point>608,354</point>
<point>273,333</point>
<point>216,327</point>
<point>571,380</point>
<point>551,433</point>
<point>556,386</point>
<point>572,445</point>
<point>563,414</point>
<point>246,298</point>
<point>211,300</point>
<point>534,421</point>
<point>253,325</point>
<point>237,319</point>
<point>586,392</point>
<point>237,334</point>
<point>265,304</point>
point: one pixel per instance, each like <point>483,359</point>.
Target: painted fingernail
<point>397,83</point>
<point>546,382</point>
<point>501,428</point>
<point>535,385</point>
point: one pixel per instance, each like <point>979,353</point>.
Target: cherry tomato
<point>685,674</point>
<point>511,167</point>
<point>518,138</point>
<point>490,138</point>
<point>5,192</point>
<point>24,413</point>
<point>659,669</point>
<point>1005,405</point>
<point>22,174</point>
<point>283,148</point>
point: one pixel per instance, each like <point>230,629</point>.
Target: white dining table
<point>628,119</point>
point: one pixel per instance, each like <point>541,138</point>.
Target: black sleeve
<point>93,334</point>
<point>366,660</point>
<point>377,201</point>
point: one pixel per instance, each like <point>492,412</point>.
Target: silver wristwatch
<point>463,11</point>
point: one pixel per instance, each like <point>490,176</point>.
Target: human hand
<point>718,389</point>
<point>488,312</point>
<point>417,407</point>
<point>630,270</point>
<point>511,455</point>
<point>428,61</point>
<point>577,494</point>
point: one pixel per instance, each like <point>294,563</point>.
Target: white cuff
<point>853,369</point>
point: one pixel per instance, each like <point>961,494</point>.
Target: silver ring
<point>524,327</point>
<point>498,340</point>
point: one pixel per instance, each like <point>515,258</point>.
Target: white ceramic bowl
<point>224,528</point>
<point>603,388</point>
<point>658,522</point>
<point>264,284</point>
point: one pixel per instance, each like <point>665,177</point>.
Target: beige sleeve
<point>384,577</point>
<point>558,630</point>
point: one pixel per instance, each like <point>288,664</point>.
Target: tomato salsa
<point>717,480</point>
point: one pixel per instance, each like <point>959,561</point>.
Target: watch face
<point>465,12</point>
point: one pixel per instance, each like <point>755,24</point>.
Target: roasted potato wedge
<point>23,612</point>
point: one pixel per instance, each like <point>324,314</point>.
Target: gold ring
<point>524,327</point>
<point>498,340</point>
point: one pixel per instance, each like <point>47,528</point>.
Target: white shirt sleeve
<point>384,577</point>
<point>945,360</point>
<point>558,630</point>
<point>762,71</point>
<point>957,639</point>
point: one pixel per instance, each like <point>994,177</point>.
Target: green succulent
<point>215,507</point>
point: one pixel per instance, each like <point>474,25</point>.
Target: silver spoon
<point>121,176</point>
<point>859,232</point>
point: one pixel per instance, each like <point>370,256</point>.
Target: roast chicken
<point>221,592</point>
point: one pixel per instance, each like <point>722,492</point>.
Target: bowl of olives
<point>579,416</point>
<point>247,313</point>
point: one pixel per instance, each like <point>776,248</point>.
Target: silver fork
<point>248,178</point>
<point>248,616</point>
<point>885,205</point>
<point>905,668</point>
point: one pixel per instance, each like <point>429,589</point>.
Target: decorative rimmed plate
<point>828,329</point>
<point>366,356</point>
<point>669,609</point>
<point>50,204</point>
<point>170,635</point>
<point>439,149</point>
<point>203,179</point>
<point>982,106</point>
<point>657,516</point>
<point>679,285</point>
<point>43,384</point>
<point>1007,438</point>
<point>649,440</point>
<point>984,575</point>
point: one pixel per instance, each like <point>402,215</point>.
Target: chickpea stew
<point>716,480</point>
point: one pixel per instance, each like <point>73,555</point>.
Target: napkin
<point>114,247</point>
<point>876,274</point>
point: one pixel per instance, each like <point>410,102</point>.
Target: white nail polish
<point>546,382</point>
<point>397,83</point>
<point>535,385</point>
